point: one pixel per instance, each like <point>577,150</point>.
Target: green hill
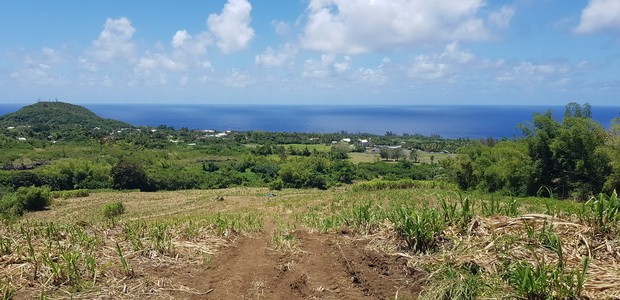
<point>58,114</point>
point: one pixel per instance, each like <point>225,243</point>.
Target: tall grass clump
<point>113,210</point>
<point>420,231</point>
<point>543,280</point>
<point>602,213</point>
<point>7,291</point>
<point>125,267</point>
<point>455,283</point>
<point>361,217</point>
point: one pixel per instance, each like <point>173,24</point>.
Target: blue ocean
<point>447,121</point>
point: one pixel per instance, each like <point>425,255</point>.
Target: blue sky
<point>311,51</point>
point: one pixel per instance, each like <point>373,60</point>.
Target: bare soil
<point>322,266</point>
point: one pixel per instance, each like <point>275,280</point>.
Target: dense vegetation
<point>572,158</point>
<point>61,147</point>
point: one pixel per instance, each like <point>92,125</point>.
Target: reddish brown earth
<point>323,266</point>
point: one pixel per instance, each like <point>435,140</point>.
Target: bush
<point>34,198</point>
<point>129,175</point>
<point>114,209</point>
<point>25,199</point>
<point>277,184</point>
<point>10,207</point>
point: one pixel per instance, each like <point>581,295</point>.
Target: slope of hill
<point>58,115</point>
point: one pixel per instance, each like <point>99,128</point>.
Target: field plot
<point>362,242</point>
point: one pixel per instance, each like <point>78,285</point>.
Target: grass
<point>357,157</point>
<point>472,245</point>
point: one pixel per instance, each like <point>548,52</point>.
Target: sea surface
<point>447,121</point>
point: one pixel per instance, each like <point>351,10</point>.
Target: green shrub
<point>24,199</point>
<point>10,207</point>
<point>277,184</point>
<point>114,209</point>
<point>34,198</point>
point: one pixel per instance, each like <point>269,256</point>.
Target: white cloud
<point>232,28</point>
<point>343,66</point>
<point>600,15</point>
<point>159,61</point>
<point>353,27</point>
<point>376,75</point>
<point>440,65</point>
<point>327,66</point>
<point>273,58</point>
<point>502,17</point>
<point>314,68</point>
<point>187,53</point>
<point>114,42</point>
<point>281,27</point>
<point>88,65</point>
<point>531,72</point>
<point>188,49</point>
<point>238,79</point>
<point>39,74</point>
<point>179,38</point>
<point>44,67</point>
<point>52,56</point>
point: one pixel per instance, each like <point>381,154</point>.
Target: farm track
<point>322,266</point>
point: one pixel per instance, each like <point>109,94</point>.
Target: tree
<point>568,157</point>
<point>129,175</point>
<point>414,155</point>
<point>613,152</point>
<point>340,150</point>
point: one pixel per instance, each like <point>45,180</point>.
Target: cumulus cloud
<point>44,67</point>
<point>159,61</point>
<point>502,17</point>
<point>440,65</point>
<point>188,52</point>
<point>114,42</point>
<point>238,78</point>
<point>232,28</point>
<point>327,66</point>
<point>39,74</point>
<point>532,72</point>
<point>600,15</point>
<point>343,66</point>
<point>375,75</point>
<point>318,68</point>
<point>190,49</point>
<point>353,27</point>
<point>272,58</point>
